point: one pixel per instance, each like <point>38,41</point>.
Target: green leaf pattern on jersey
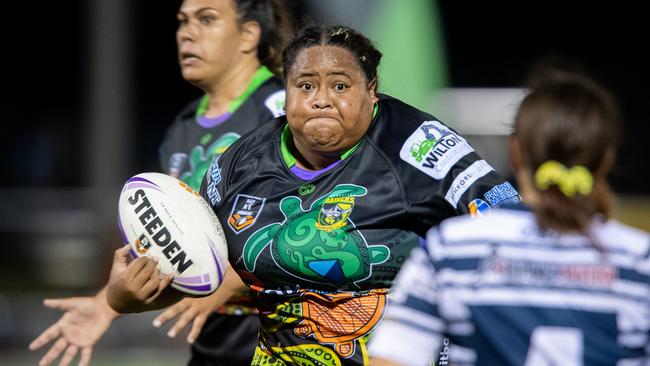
<point>200,159</point>
<point>321,244</point>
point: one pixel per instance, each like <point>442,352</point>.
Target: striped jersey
<point>500,291</point>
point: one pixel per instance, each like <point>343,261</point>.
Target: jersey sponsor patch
<point>503,193</point>
<point>540,273</point>
<point>465,179</point>
<point>275,103</point>
<point>478,208</point>
<point>433,149</point>
<point>214,177</point>
<point>244,213</point>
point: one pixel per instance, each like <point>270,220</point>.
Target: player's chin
<point>325,143</point>
<point>192,74</point>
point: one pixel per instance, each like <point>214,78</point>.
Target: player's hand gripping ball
<point>160,216</point>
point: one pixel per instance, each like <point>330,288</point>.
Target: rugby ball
<point>160,216</point>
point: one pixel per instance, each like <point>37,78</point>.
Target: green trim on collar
<point>286,154</point>
<point>261,75</point>
<point>354,148</point>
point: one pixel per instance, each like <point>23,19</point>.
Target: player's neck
<point>229,87</point>
<point>312,160</point>
<point>526,187</point>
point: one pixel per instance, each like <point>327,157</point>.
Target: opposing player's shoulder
<point>499,224</point>
<point>621,237</point>
<point>410,136</point>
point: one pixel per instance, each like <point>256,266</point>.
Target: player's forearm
<point>102,304</point>
<point>231,285</point>
<point>124,301</point>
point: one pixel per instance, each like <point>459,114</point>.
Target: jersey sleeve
<point>237,162</point>
<point>215,181</point>
<point>169,154</point>
<point>167,148</point>
<point>411,330</point>
<point>440,173</point>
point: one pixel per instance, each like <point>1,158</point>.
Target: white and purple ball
<point>160,216</point>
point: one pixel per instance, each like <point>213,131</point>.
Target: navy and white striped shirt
<point>498,291</point>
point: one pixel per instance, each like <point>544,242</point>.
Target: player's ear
<point>251,33</point>
<point>372,90</point>
<point>607,161</point>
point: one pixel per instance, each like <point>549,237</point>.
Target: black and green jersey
<point>322,250</point>
<point>192,141</point>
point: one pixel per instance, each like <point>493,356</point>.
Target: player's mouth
<point>323,116</point>
<point>188,58</point>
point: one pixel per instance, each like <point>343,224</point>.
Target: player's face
<point>208,38</point>
<point>329,102</point>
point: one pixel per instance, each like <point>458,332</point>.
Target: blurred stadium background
<point>90,87</point>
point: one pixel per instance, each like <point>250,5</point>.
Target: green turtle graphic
<point>200,160</point>
<point>320,244</point>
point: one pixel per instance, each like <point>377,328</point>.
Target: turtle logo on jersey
<point>433,148</point>
<point>244,212</point>
<point>200,159</point>
<point>319,244</point>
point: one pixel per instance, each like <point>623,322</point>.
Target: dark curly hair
<point>361,47</point>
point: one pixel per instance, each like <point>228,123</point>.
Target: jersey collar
<point>261,75</point>
<point>290,160</point>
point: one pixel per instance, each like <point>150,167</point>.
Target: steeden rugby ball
<point>160,216</point>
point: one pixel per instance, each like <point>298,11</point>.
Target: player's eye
<point>206,19</point>
<point>340,87</point>
<point>306,86</point>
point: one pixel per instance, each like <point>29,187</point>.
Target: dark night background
<point>489,44</point>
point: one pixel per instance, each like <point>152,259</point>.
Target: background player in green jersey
<point>231,50</point>
<point>334,200</point>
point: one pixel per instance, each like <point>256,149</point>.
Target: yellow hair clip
<point>570,181</point>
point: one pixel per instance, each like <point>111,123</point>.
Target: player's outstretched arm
<point>83,323</point>
<point>197,310</point>
<point>138,286</point>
